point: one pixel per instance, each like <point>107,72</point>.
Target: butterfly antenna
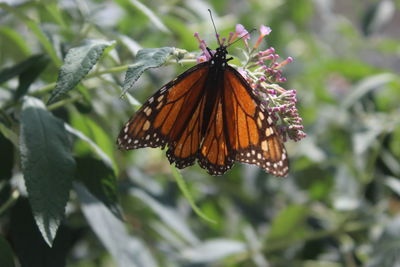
<point>248,33</point>
<point>215,29</point>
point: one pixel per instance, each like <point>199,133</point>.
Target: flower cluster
<point>263,72</point>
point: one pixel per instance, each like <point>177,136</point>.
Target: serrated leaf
<point>126,250</point>
<point>287,223</point>
<point>47,165</point>
<point>77,64</point>
<point>146,58</point>
<point>6,255</point>
<point>213,250</point>
<point>28,244</point>
<point>99,178</point>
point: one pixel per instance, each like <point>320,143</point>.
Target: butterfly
<point>210,114</point>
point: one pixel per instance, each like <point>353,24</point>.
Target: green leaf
<point>146,58</point>
<point>378,16</point>
<point>6,255</point>
<point>148,13</point>
<point>47,165</point>
<point>95,133</point>
<point>28,244</point>
<point>366,85</point>
<point>182,186</point>
<point>11,72</point>
<point>169,216</point>
<point>126,250</point>
<point>92,145</point>
<point>385,251</point>
<point>287,223</point>
<point>6,158</point>
<point>34,27</point>
<point>9,134</point>
<point>16,40</point>
<point>29,75</point>
<point>213,250</point>
<point>77,64</point>
<point>99,178</point>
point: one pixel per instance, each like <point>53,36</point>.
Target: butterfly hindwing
<point>183,151</point>
<point>215,154</point>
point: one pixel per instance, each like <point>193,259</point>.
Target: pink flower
<point>264,31</point>
<point>263,72</point>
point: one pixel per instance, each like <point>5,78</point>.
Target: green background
<point>339,206</point>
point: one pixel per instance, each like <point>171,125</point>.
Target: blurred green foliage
<point>339,206</point>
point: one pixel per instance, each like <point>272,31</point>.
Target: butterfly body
<point>208,113</point>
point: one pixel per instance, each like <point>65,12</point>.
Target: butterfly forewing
<point>252,134</point>
<point>164,116</point>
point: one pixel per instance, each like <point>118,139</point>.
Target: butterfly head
<point>218,59</point>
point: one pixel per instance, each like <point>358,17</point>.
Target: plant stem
<point>63,102</point>
<point>14,196</point>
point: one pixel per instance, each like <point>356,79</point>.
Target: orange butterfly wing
<point>252,134</point>
<point>215,155</point>
<point>239,127</point>
<point>172,116</point>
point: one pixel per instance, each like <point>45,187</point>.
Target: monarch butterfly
<point>211,114</point>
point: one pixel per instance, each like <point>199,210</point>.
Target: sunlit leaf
<point>92,145</point>
<point>146,58</point>
<point>95,133</point>
<point>16,39</point>
<point>77,64</point>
